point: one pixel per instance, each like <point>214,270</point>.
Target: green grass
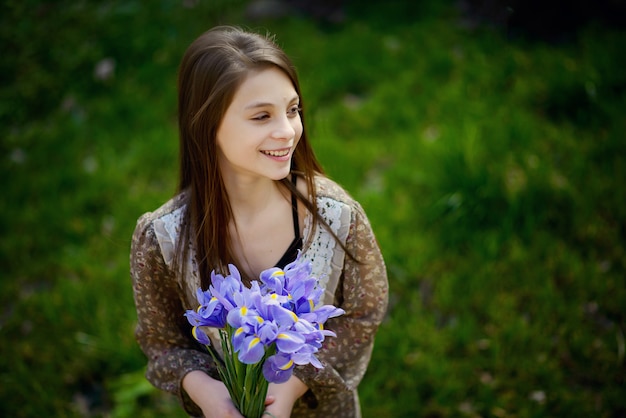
<point>491,170</point>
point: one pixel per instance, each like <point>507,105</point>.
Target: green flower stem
<point>245,382</point>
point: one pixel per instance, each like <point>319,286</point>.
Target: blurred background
<point>484,138</point>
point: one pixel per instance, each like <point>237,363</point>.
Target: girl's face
<point>261,128</point>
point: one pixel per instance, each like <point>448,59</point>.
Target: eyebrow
<point>256,105</point>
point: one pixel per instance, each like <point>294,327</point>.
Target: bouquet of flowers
<point>265,330</point>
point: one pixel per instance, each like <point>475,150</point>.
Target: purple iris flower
<point>279,316</point>
<point>210,313</point>
<point>211,310</point>
<point>200,336</point>
<point>225,288</point>
<point>273,281</point>
<point>305,290</point>
<point>321,314</point>
<point>254,336</point>
<point>250,349</point>
<point>267,332</point>
<point>298,270</point>
<point>283,282</point>
<point>278,368</point>
<point>288,341</point>
<point>306,355</point>
<point>283,316</point>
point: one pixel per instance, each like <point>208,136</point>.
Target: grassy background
<point>491,167</point>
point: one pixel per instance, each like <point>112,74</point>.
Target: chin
<point>280,175</point>
<point>278,178</point>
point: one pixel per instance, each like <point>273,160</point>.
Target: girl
<point>252,193</point>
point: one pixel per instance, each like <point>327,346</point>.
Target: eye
<point>261,116</point>
<point>294,110</point>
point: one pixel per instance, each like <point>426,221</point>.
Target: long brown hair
<point>212,69</point>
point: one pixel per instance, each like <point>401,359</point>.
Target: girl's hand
<point>210,395</point>
<point>284,396</point>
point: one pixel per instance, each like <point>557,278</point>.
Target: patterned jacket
<point>360,288</point>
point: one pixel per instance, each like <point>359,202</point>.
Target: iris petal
<point>278,368</point>
<point>289,342</point>
<point>200,336</point>
<point>252,350</point>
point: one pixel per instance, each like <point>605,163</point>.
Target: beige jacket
<point>162,295</point>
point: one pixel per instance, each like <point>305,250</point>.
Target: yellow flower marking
<point>254,342</point>
<point>287,366</point>
<point>294,316</point>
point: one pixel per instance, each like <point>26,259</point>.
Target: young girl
<point>252,193</point>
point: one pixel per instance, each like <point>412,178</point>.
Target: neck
<point>249,197</point>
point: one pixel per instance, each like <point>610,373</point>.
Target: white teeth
<point>276,153</point>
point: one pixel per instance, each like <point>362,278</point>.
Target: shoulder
<point>330,194</point>
<point>163,221</point>
<point>327,189</point>
<point>176,204</point>
<point>339,209</point>
<point>156,232</point>
<point>336,207</point>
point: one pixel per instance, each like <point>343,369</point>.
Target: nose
<point>285,129</point>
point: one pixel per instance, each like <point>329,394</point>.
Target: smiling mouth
<point>277,153</point>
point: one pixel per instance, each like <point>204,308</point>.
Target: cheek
<point>298,129</point>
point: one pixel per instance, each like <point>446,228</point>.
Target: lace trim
<point>325,255</point>
<point>167,229</point>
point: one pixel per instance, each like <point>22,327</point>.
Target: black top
<point>292,252</point>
